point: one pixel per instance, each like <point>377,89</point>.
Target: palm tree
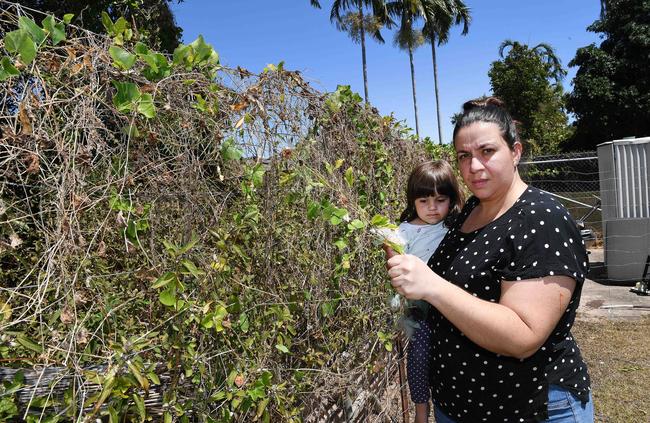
<point>544,51</point>
<point>407,38</point>
<point>439,16</point>
<point>358,22</point>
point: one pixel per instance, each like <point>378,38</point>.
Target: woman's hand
<point>409,275</point>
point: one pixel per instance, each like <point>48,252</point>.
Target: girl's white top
<point>422,240</point>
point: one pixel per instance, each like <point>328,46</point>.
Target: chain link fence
<point>573,178</point>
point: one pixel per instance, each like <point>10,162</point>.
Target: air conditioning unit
<point>625,196</point>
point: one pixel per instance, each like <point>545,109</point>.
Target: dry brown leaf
<point>82,336</point>
<point>72,53</point>
<point>67,315</point>
<point>240,122</point>
<point>87,61</point>
<point>65,225</point>
<point>80,297</point>
<point>77,201</point>
<point>239,106</point>
<point>23,116</point>
<point>34,164</point>
<point>101,249</point>
<point>76,68</point>
<point>53,65</point>
<point>226,324</point>
<point>14,240</point>
<point>239,381</point>
<point>243,73</point>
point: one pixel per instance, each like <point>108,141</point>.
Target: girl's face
<point>486,163</point>
<point>432,209</point>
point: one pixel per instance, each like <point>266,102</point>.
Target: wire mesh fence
<point>573,178</point>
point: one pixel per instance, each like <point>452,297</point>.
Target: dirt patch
<point>594,303</point>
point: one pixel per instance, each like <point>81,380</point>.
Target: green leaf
<point>201,104</point>
<point>141,48</point>
<point>158,66</point>
<point>28,343</point>
<point>144,383</point>
<point>168,297</point>
<point>243,322</point>
<point>154,378</point>
<point>20,42</point>
<point>261,407</point>
<point>220,314</point>
<point>398,248</point>
<point>327,308</point>
<point>257,175</point>
<point>313,210</point>
<point>131,130</point>
<point>266,378</point>
<point>164,280</point>
<point>191,267</point>
<point>341,244</point>
<point>229,151</point>
<point>190,244</point>
<point>282,348</point>
<point>127,94</point>
<point>108,23</point>
<point>7,69</point>
<point>122,58</point>
<point>146,106</point>
<point>56,30</point>
<point>139,403</point>
<point>121,26</point>
<point>349,176</point>
<point>356,224</point>
<point>67,18</point>
<point>35,31</point>
<point>208,321</point>
<point>203,52</point>
<point>8,408</point>
<point>231,378</point>
<point>380,221</point>
<point>181,54</point>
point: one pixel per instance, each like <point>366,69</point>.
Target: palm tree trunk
<point>363,52</point>
<point>435,84</point>
<point>415,103</point>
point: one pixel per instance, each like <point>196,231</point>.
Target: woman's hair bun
<point>483,102</point>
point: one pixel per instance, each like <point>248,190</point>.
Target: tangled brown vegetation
<point>190,244</point>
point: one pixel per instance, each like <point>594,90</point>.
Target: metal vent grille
<point>632,190</point>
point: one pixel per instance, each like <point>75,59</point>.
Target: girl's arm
<point>516,326</point>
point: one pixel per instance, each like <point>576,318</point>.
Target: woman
<point>504,284</point>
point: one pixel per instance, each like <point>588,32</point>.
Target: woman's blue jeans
<point>563,407</point>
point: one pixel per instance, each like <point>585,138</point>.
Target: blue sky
<point>255,33</point>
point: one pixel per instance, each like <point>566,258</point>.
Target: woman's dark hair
<point>430,179</point>
<point>490,110</point>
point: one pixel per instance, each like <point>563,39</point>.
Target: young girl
<point>433,201</point>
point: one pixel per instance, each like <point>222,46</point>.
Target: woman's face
<point>486,163</point>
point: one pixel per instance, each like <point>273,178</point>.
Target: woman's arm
<point>516,326</point>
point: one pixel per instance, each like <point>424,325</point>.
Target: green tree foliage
<point>528,80</point>
<point>440,16</point>
<point>358,18</point>
<point>153,20</point>
<point>611,95</point>
<point>408,38</point>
